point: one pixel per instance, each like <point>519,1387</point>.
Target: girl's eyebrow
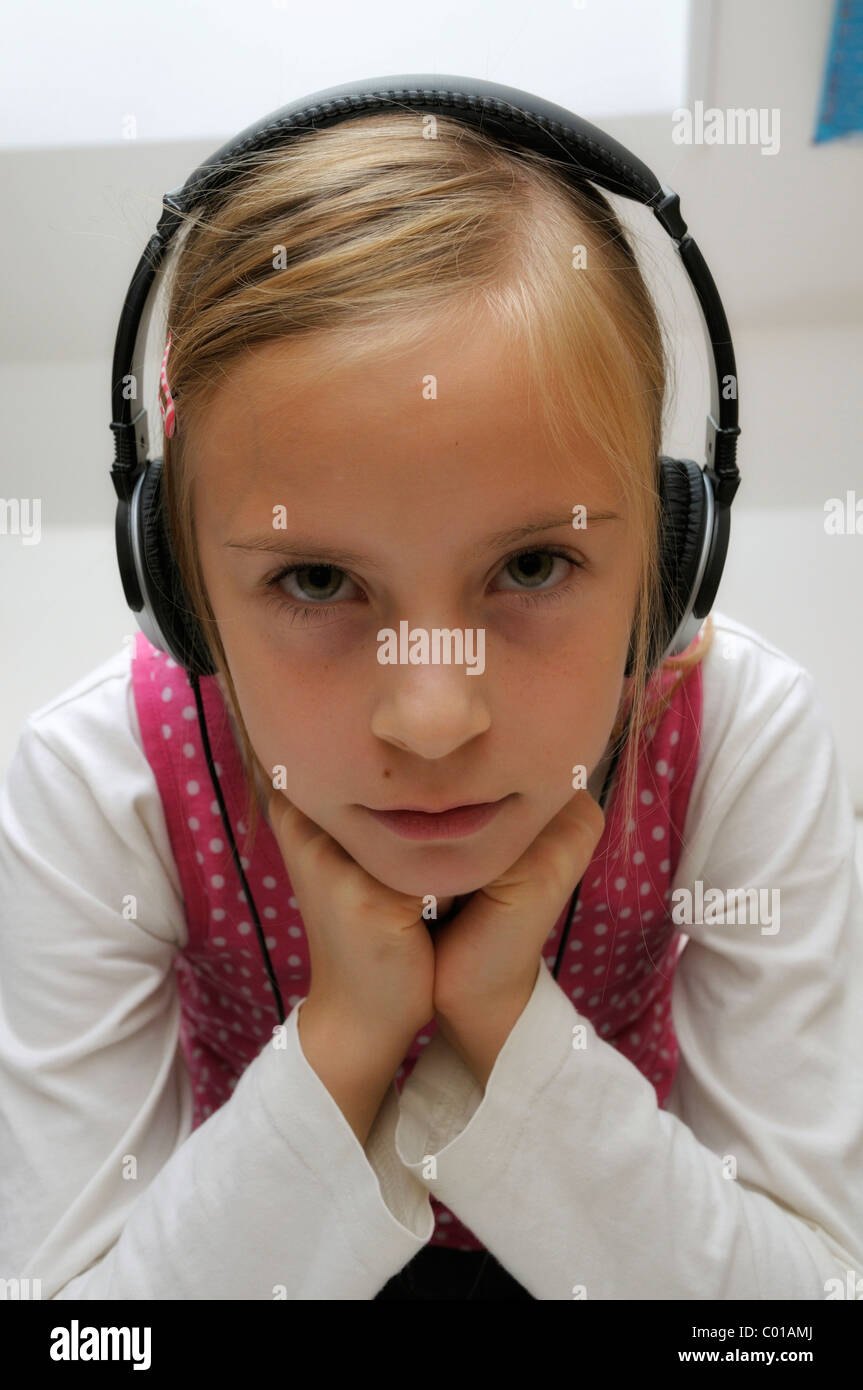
<point>299,545</point>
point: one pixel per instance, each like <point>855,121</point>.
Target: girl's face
<point>398,489</point>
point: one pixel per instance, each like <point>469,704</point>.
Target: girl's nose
<point>429,710</point>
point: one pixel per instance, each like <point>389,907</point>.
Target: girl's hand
<point>372,959</point>
<point>487,955</point>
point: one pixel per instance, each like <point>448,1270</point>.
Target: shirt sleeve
<point>106,1190</point>
<point>749,1185</point>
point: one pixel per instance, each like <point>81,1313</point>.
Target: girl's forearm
<point>354,1062</point>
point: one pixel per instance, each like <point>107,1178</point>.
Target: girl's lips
<point>446,825</point>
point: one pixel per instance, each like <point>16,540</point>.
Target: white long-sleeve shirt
<point>749,1185</point>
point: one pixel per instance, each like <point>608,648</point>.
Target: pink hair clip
<point>166,405</point>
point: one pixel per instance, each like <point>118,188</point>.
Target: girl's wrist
<point>367,1040</point>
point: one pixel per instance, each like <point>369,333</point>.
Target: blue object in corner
<point>841,110</point>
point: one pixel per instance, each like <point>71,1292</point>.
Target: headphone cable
<point>602,800</point>
<point>271,974</point>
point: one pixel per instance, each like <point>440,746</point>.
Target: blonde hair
<point>361,230</point>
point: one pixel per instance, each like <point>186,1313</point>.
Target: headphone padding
<point>168,596</point>
<point>682,524</point>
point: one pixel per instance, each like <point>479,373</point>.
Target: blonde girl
<point>387,392</point>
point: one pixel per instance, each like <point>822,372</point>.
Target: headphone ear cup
<point>683,520</point>
<point>167,595</point>
<point>681,534</point>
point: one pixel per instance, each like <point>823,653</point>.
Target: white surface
<point>269,51</point>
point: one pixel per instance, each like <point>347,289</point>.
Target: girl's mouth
<point>443,825</point>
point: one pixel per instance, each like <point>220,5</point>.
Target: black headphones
<point>695,501</point>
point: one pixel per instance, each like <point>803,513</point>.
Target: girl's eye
<point>319,584</point>
<point>323,583</point>
<point>536,566</point>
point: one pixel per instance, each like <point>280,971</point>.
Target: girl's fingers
<point>566,846</point>
<point>579,826</point>
<point>291,828</point>
<point>294,832</point>
<point>557,858</point>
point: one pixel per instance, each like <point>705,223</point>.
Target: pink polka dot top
<point>617,970</point>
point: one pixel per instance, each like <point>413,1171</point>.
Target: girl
<point>387,393</point>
